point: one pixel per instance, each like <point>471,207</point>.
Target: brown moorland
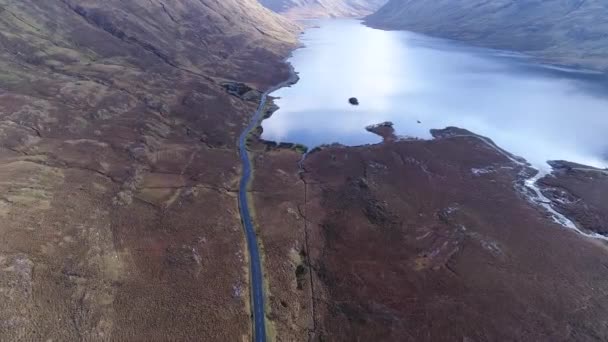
<point>119,166</point>
<point>119,217</point>
<point>417,240</point>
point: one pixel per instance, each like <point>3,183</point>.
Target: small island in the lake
<point>353,101</point>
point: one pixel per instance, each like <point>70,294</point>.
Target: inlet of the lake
<point>536,111</point>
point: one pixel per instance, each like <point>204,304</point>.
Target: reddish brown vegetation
<point>432,241</point>
<point>118,160</point>
<point>410,244</point>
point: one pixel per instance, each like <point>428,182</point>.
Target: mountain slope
<point>563,31</point>
<point>119,165</point>
<point>323,8</point>
<point>204,37</point>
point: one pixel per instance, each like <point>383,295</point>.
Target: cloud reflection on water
<point>531,110</point>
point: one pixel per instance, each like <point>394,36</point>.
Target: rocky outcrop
<point>579,192</point>
<point>384,129</point>
<point>241,90</point>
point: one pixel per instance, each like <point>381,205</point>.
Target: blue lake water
<point>536,111</point>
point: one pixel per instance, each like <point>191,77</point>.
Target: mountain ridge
<point>569,32</point>
<point>306,9</point>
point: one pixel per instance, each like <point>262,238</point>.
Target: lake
<point>539,112</point>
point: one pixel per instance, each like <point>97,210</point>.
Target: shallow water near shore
<point>536,111</point>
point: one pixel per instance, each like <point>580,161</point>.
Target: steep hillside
<point>119,168</point>
<point>563,31</point>
<point>323,8</point>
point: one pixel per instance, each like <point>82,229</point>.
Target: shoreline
<point>544,70</point>
<point>256,275</point>
<point>386,131</point>
<point>492,202</point>
<point>549,62</point>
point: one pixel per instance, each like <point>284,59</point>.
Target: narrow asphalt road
<point>255,262</point>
